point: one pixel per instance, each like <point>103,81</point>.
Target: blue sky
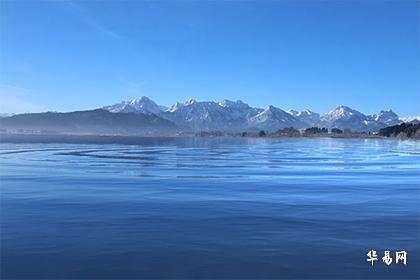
<point>63,56</point>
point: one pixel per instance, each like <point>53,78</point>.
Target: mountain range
<point>229,115</point>
<point>143,116</point>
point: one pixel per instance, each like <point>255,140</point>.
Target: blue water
<point>210,208</point>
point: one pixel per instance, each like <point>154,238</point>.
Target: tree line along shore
<point>401,131</point>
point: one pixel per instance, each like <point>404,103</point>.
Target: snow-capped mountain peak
<point>190,102</point>
<point>145,104</point>
<point>308,112</point>
<point>233,104</point>
<point>306,116</point>
<point>341,112</point>
<point>273,118</point>
<point>305,112</point>
<point>175,107</point>
<point>414,119</point>
<point>141,104</point>
<point>293,112</point>
<point>139,100</point>
<point>387,117</point>
<point>237,115</point>
<point>344,117</point>
<point>271,110</point>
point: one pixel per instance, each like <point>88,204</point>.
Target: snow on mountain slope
<point>273,118</point>
<point>344,117</point>
<point>209,115</point>
<point>410,119</point>
<point>387,117</point>
<point>239,109</point>
<point>138,105</point>
<point>306,116</point>
<point>342,113</point>
<point>236,115</point>
<point>175,107</point>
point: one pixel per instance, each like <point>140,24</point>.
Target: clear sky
<point>63,56</point>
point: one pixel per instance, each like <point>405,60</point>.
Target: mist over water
<point>210,208</point>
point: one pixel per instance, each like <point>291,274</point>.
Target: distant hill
<point>89,122</point>
<point>404,130</point>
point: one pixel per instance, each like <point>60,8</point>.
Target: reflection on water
<point>209,208</point>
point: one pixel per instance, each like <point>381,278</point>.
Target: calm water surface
<point>210,208</point>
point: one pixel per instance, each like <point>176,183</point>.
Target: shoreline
<point>144,139</point>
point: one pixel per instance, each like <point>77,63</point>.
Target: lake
<point>210,208</point>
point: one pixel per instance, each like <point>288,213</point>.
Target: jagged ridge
<point>229,115</point>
